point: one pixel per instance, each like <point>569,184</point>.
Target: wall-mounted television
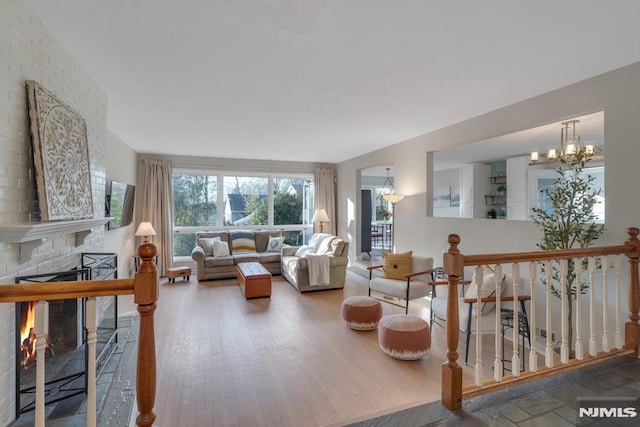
<point>119,204</point>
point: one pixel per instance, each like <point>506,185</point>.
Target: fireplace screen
<point>66,353</point>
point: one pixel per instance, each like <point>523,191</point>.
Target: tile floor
<point>549,402</point>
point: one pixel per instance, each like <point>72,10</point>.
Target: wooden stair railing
<point>453,264</point>
<point>144,287</point>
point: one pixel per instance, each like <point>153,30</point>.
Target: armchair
<point>414,284</point>
<point>467,306</point>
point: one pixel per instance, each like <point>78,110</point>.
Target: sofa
<point>214,262</point>
<point>295,262</point>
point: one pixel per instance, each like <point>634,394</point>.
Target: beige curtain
<point>325,197</point>
<point>157,206</point>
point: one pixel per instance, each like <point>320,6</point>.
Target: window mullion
<point>270,204</point>
<point>221,205</point>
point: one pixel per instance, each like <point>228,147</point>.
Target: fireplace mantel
<point>30,235</point>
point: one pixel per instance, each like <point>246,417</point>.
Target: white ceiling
<point>327,80</point>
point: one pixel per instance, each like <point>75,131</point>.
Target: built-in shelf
<point>30,235</point>
<point>498,179</point>
<point>495,199</point>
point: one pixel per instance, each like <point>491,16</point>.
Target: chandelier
<point>388,191</point>
<point>569,145</point>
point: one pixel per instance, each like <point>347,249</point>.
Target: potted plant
<point>501,189</point>
<point>571,222</point>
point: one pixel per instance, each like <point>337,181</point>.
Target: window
<point>245,200</point>
<point>213,200</point>
<point>194,204</point>
<point>293,204</point>
<point>544,179</point>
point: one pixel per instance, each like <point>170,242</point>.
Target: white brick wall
<point>29,51</point>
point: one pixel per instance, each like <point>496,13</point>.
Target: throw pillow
<point>275,244</point>
<point>207,244</point>
<point>396,266</point>
<point>242,241</point>
<point>220,248</point>
<point>305,249</point>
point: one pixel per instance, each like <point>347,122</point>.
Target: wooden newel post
<point>453,265</point>
<point>632,328</point>
<point>145,295</point>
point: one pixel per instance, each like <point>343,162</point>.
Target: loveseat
<point>295,262</point>
<point>218,252</point>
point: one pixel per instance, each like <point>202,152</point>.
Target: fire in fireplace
<point>27,336</point>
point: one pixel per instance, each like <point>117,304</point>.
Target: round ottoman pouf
<point>361,313</point>
<point>403,336</point>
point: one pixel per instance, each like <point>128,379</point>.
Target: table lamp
<point>145,229</point>
<point>320,216</point>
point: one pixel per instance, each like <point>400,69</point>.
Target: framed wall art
<point>455,196</point>
<point>61,157</point>
<point>441,196</point>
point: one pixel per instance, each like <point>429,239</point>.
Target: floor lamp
<point>393,199</point>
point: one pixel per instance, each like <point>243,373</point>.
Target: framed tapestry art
<point>60,156</point>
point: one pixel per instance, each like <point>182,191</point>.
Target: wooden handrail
<point>506,258</point>
<point>65,290</point>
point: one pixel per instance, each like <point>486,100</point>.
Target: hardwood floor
<point>284,361</point>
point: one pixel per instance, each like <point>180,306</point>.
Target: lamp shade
<point>320,215</point>
<point>393,198</point>
<point>145,229</point>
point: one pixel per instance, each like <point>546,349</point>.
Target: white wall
<point>120,164</point>
<point>29,51</point>
<point>617,93</point>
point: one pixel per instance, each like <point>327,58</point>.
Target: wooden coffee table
<point>254,280</point>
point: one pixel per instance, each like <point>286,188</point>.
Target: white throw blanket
<point>318,269</point>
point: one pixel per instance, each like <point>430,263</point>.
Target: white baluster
<point>579,345</point>
<point>548,351</point>
<point>618,267</point>
<point>533,356</point>
<point>605,303</point>
<point>92,338</point>
<point>592,315</point>
<point>478,367</point>
<point>497,362</point>
<point>41,329</point>
<point>515,359</point>
<point>564,325</point>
